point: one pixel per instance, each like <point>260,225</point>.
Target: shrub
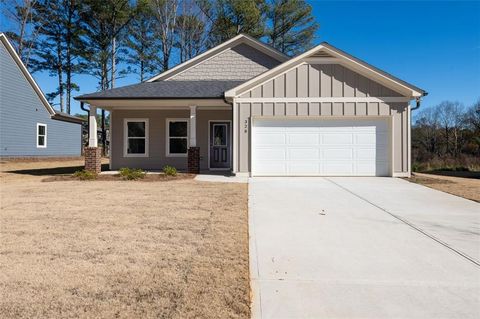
<point>170,170</point>
<point>85,175</point>
<point>132,173</point>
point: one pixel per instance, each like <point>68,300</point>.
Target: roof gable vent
<point>321,54</point>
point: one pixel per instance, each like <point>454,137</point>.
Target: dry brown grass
<point>175,249</point>
<point>468,188</point>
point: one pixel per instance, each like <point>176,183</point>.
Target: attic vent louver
<point>321,54</point>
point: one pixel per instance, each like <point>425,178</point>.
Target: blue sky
<point>432,44</point>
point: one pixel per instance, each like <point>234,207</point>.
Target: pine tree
<point>291,25</point>
<point>59,46</point>
<point>232,17</point>
<point>190,30</point>
<point>26,23</point>
<point>142,42</point>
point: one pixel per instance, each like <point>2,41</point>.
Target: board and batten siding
<point>241,62</point>
<point>322,81</point>
<point>20,111</point>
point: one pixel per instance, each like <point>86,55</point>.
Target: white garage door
<point>320,147</point>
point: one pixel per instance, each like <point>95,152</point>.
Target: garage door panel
<point>303,153</point>
<point>330,147</point>
<point>302,139</point>
<point>337,139</point>
<point>302,167</point>
<point>338,154</point>
<point>340,168</point>
<point>271,154</point>
<point>271,167</point>
<point>366,154</point>
<point>262,139</point>
<point>369,168</point>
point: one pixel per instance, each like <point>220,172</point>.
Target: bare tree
<point>26,25</point>
<point>451,119</point>
<point>166,12</point>
<point>190,31</point>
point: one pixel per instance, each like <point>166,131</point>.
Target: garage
<point>323,113</point>
<point>326,147</point>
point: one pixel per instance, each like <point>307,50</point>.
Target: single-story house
<point>244,107</point>
<point>29,125</point>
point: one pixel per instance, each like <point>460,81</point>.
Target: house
<point>29,126</point>
<point>247,108</point>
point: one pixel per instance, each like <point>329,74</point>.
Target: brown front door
<point>219,145</point>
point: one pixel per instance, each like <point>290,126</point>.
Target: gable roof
<point>328,54</point>
<point>165,90</point>
<point>53,114</point>
<point>239,39</point>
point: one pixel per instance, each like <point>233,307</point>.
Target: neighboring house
<point>249,109</point>
<point>29,126</point>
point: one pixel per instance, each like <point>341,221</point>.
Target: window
<point>177,137</point>
<point>41,135</point>
<point>136,138</point>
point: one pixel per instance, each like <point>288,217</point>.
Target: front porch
<point>191,138</point>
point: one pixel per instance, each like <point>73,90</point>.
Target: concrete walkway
<point>362,248</point>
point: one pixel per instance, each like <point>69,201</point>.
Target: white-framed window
<point>41,135</point>
<point>177,137</point>
<point>136,135</point>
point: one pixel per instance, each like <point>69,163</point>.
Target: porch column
<point>193,165</point>
<point>92,125</point>
<point>93,153</point>
<point>193,125</point>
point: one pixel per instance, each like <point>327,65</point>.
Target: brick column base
<point>93,159</point>
<point>193,166</point>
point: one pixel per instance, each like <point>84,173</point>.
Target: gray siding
<point>323,81</point>
<point>21,110</point>
<point>241,62</point>
<point>320,80</point>
<point>157,137</point>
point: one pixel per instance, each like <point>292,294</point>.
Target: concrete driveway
<point>362,248</point>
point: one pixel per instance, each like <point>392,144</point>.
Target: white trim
<point>193,126</point>
<point>167,136</point>
<point>384,99</point>
<point>92,127</point>
<point>158,104</point>
<point>401,174</point>
<point>229,146</point>
<point>235,142</point>
<point>125,136</point>
<point>241,38</point>
<point>110,155</point>
<point>322,60</point>
<point>409,140</point>
<point>44,136</point>
<point>26,74</point>
<point>262,78</point>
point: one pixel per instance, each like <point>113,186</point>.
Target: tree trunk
<point>114,62</point>
<point>68,61</point>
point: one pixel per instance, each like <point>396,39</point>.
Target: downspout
<point>88,118</point>
<point>418,100</point>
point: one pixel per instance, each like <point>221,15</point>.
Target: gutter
<point>88,117</point>
<point>418,100</point>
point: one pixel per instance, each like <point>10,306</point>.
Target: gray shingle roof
<point>166,90</point>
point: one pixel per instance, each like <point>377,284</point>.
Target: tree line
<point>447,134</point>
<point>108,39</point>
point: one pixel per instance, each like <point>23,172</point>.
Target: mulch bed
<point>117,177</point>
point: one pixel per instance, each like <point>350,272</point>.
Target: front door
<point>220,145</point>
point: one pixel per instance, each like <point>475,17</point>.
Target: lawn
<point>126,249</point>
<point>464,184</point>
